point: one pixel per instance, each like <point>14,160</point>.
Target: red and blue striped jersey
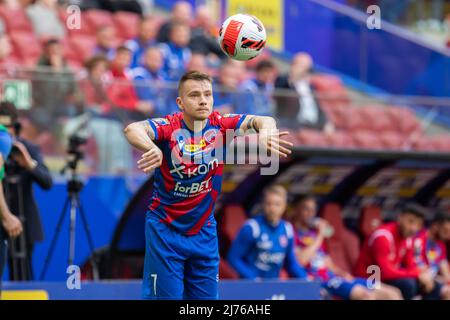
<point>189,180</point>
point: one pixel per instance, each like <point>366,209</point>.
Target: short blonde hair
<point>276,189</point>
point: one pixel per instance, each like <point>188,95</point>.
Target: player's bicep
<point>158,129</point>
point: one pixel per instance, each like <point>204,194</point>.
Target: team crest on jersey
<point>161,121</point>
<point>432,255</point>
<point>210,135</point>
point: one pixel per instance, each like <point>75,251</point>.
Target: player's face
<point>274,207</point>
<point>409,224</point>
<point>306,211</point>
<point>196,99</point>
<point>444,231</point>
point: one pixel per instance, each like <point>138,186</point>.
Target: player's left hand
<point>150,160</point>
<point>272,141</point>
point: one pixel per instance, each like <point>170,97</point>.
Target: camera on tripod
<point>74,149</point>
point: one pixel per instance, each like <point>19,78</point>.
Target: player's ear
<point>180,103</point>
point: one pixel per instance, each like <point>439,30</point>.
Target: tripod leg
<point>55,237</point>
<point>89,237</point>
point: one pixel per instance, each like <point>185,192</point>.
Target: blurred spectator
<point>149,82</point>
<point>265,244</point>
<point>45,19</point>
<point>176,53</point>
<point>121,92</point>
<point>198,63</point>
<point>205,33</point>
<point>7,62</point>
<point>144,40</point>
<point>181,14</point>
<point>241,69</point>
<point>390,247</point>
<point>226,86</point>
<point>94,84</point>
<point>311,252</point>
<point>54,87</point>
<point>298,106</point>
<point>430,251</point>
<point>106,42</point>
<point>256,95</point>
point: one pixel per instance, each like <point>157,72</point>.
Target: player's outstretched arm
<point>269,135</point>
<point>140,135</point>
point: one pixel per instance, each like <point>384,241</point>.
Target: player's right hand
<point>426,280</point>
<point>150,160</point>
<point>12,225</point>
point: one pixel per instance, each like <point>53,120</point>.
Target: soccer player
<point>311,252</point>
<point>430,251</point>
<point>182,258</point>
<point>265,244</point>
<point>390,247</point>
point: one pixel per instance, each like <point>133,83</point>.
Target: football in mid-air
<point>242,37</point>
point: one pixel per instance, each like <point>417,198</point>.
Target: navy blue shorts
<point>341,287</point>
<point>178,266</point>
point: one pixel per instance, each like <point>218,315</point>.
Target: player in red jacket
<point>390,247</point>
<point>430,251</point>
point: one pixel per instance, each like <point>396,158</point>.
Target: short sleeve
<point>5,144</point>
<point>5,149</point>
<point>232,120</point>
<point>161,127</point>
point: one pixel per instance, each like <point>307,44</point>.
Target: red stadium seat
<point>83,46</point>
<point>97,18</point>
<point>343,246</point>
<point>377,118</point>
<point>352,246</point>
<point>340,139</point>
<point>422,144</point>
<point>233,218</point>
<point>348,118</point>
<point>26,46</point>
<point>226,271</point>
<point>441,142</point>
<point>369,220</point>
<point>69,52</point>
<point>311,138</point>
<point>405,120</point>
<point>126,24</point>
<point>367,140</point>
<point>15,19</point>
<point>284,275</point>
<point>393,140</point>
<point>330,90</point>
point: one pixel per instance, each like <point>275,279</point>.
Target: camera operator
<point>10,225</point>
<point>23,167</point>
